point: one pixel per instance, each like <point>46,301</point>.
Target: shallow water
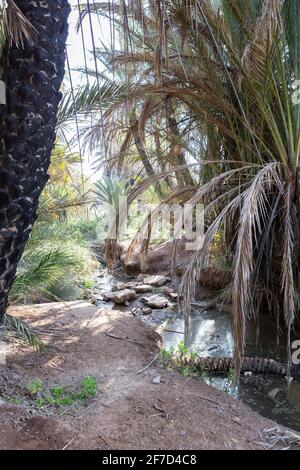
<point>211,336</point>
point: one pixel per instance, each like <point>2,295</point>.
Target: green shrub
<point>56,265</point>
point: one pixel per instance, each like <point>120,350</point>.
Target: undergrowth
<point>173,359</point>
<point>57,263</point>
<point>59,395</point>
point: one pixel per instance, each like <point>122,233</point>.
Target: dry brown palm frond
<point>252,211</point>
<point>145,231</point>
<point>287,272</point>
<point>111,245</point>
<point>146,226</point>
<point>253,216</point>
<point>218,180</point>
<point>258,52</point>
<point>231,73</point>
<point>15,26</point>
<point>193,272</point>
<point>153,179</point>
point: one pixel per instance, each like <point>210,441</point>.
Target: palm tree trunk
<point>184,176</point>
<point>33,76</point>
<point>139,143</point>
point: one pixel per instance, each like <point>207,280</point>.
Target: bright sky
<point>76,53</point>
<point>74,42</point>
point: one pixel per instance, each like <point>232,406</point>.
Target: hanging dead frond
<point>259,53</point>
<point>14,26</point>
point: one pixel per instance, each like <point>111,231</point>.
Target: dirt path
<point>130,411</point>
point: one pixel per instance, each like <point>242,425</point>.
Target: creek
<point>210,335</point>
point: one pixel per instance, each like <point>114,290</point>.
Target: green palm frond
<point>41,268</point>
<point>23,330</point>
<point>109,190</point>
<point>214,80</point>
<point>59,204</point>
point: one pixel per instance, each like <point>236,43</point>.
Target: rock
<point>174,296</point>
<point>156,380</point>
<point>140,289</point>
<point>140,277</point>
<point>136,312</point>
<point>147,310</point>
<point>131,265</point>
<point>167,290</point>
<point>119,297</point>
<point>108,304</point>
<point>130,285</point>
<point>118,287</point>
<point>124,285</point>
<point>156,301</point>
<point>273,393</point>
<point>156,281</point>
<point>236,419</point>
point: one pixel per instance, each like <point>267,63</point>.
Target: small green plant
<point>35,386</point>
<point>173,359</point>
<point>60,396</point>
<point>231,375</point>
<point>166,355</point>
<point>88,284</point>
<point>88,388</point>
<point>188,371</point>
<point>15,401</point>
<point>156,290</point>
<point>182,348</point>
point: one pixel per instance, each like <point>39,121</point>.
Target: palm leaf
<point>23,330</point>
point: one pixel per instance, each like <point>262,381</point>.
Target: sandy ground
<point>130,411</point>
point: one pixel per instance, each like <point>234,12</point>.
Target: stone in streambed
<point>156,281</point>
<point>156,301</point>
<point>121,296</point>
<point>142,288</point>
<point>174,296</point>
<point>167,290</point>
<point>147,310</point>
<point>118,287</point>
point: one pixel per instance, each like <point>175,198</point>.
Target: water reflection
<point>211,336</point>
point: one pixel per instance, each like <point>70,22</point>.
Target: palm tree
<point>148,128</point>
<point>33,69</point>
<point>229,67</point>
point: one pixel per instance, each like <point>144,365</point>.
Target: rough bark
<point>257,365</point>
<point>33,76</point>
